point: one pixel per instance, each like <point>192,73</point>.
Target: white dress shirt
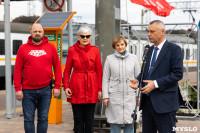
<point>158,52</point>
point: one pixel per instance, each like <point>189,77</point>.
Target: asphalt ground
<point>15,124</point>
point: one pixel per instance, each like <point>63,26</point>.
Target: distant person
<point>84,87</point>
<point>118,97</point>
<point>160,97</point>
<point>32,78</point>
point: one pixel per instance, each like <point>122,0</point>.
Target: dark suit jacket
<point>167,72</point>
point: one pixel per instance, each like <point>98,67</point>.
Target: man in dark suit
<point>160,97</point>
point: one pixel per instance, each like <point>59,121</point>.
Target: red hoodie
<point>33,66</point>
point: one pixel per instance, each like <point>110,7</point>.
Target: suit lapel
<point>161,55</point>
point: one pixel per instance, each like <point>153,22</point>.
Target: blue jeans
<point>116,128</point>
<point>39,99</point>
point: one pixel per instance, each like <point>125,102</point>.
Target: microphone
<point>146,48</point>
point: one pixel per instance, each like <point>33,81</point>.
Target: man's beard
<point>37,38</point>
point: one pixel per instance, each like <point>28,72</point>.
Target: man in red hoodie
<point>32,78</point>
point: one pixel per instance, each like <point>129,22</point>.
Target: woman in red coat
<point>83,87</point>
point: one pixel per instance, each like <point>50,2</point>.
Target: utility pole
<point>107,25</point>
<point>8,59</point>
<point>69,26</point>
<point>198,66</point>
<point>142,18</point>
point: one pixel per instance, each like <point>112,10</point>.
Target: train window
<point>193,54</point>
<point>2,47</point>
<point>131,49</point>
<point>187,54</point>
<point>16,44</point>
<point>182,52</point>
<point>135,50</point>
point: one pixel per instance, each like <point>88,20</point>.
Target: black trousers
<point>83,117</point>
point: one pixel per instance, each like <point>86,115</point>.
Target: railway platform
<point>15,124</point>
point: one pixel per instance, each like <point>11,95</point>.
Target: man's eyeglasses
<point>83,37</point>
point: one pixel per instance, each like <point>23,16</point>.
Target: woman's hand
<point>106,101</point>
<point>133,84</point>
<point>68,93</point>
<point>99,95</point>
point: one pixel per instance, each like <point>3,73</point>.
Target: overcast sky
<point>86,10</point>
<point>132,12</point>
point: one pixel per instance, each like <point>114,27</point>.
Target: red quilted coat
<point>86,78</point>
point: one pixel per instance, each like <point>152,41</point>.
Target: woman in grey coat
<point>118,97</point>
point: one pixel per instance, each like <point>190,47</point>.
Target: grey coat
<point>118,70</point>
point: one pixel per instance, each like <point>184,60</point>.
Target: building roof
<point>16,27</point>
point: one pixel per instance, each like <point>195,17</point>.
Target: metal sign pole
<point>70,29</point>
<point>8,59</point>
<point>198,70</point>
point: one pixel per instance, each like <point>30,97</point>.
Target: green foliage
<point>192,94</point>
<point>179,111</point>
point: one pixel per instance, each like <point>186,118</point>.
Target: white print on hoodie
<point>37,53</point>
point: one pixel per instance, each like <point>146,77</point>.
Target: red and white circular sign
<point>54,5</point>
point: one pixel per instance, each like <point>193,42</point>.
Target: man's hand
<point>19,95</point>
<point>149,87</point>
<point>99,95</point>
<point>68,93</point>
<point>133,84</point>
<point>56,92</point>
<point>138,104</point>
<point>106,101</point>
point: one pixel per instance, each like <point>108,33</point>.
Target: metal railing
<point>186,35</point>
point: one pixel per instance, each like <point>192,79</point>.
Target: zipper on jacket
<point>123,87</point>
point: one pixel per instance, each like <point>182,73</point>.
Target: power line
<point>186,5</point>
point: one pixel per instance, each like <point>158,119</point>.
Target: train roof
<point>135,34</point>
<point>175,38</point>
<point>16,27</point>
